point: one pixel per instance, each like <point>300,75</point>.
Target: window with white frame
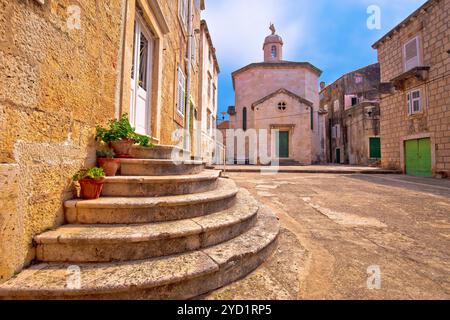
<point>209,85</point>
<point>181,92</point>
<point>414,101</point>
<point>183,12</point>
<point>411,53</point>
<point>336,132</point>
<point>208,121</point>
<point>336,106</point>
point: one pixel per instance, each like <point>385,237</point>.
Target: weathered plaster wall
<point>56,83</point>
<point>362,122</point>
<point>363,83</point>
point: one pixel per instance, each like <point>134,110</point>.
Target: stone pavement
<point>337,226</point>
<point>337,169</point>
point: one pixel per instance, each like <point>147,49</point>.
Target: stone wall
<point>296,119</point>
<point>433,27</point>
<point>175,51</point>
<point>362,122</point>
<point>362,83</point>
<point>56,83</point>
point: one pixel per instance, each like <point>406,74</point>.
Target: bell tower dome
<point>273,47</point>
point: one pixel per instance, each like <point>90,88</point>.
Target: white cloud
<point>238,29</point>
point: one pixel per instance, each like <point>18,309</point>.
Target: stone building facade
<point>351,117</point>
<point>415,105</point>
<point>209,79</point>
<point>65,68</point>
<point>276,95</point>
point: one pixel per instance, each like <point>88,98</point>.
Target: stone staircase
<point>159,231</point>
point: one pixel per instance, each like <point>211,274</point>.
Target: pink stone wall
<point>295,119</point>
<point>258,82</point>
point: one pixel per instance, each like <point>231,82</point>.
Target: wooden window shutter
<point>411,52</point>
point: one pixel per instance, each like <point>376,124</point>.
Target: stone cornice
<point>286,92</point>
<point>277,65</point>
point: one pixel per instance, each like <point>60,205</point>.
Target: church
<point>281,97</point>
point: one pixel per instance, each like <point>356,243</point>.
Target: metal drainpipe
<point>189,72</point>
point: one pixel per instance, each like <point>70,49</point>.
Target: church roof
<point>275,65</point>
<point>283,91</point>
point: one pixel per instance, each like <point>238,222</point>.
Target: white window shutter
<point>181,92</point>
<point>410,111</point>
<point>411,52</point>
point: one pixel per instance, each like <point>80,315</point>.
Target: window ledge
<point>420,73</point>
<point>415,115</point>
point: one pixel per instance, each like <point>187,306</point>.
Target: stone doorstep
<point>162,162</point>
<point>157,152</point>
<point>215,266</point>
<point>146,167</point>
<point>123,210</point>
<point>300,169</point>
<point>160,186</point>
<point>97,243</point>
<point>206,175</point>
<point>225,189</point>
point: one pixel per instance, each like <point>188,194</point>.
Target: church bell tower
<point>273,47</point>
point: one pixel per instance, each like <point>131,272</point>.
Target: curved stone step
<point>181,276</point>
<point>107,243</point>
<point>159,167</point>
<point>159,152</point>
<point>160,186</point>
<point>145,210</point>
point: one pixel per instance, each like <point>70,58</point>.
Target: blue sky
<point>332,35</point>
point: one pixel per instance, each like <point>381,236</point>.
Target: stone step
<point>181,276</point>
<point>160,186</point>
<point>145,210</point>
<point>108,243</point>
<point>159,152</point>
<point>158,167</point>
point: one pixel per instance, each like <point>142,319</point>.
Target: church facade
<point>280,98</point>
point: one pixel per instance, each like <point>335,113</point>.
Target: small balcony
<point>420,73</point>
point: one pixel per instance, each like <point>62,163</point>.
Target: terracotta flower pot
<point>91,189</point>
<point>109,165</point>
<point>122,148</point>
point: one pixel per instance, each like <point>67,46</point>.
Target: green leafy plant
<point>119,130</point>
<point>92,173</point>
<point>108,153</point>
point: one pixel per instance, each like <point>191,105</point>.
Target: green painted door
<point>338,155</point>
<point>283,144</point>
<point>418,157</point>
<point>375,148</point>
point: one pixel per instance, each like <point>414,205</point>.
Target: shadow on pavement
<point>433,186</point>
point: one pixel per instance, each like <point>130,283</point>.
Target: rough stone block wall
<point>347,85</point>
<point>433,28</point>
<point>175,45</point>
<point>56,84</point>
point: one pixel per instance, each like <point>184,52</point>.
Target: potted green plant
<point>121,136</point>
<point>91,182</point>
<point>107,162</point>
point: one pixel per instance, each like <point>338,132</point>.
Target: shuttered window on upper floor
<point>412,54</point>
<point>181,92</point>
<point>183,12</point>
